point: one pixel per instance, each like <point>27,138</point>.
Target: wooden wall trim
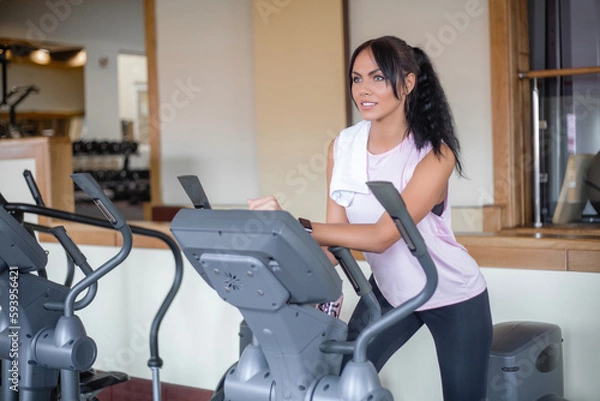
<point>510,110</point>
<point>522,113</point>
<point>53,166</point>
<point>154,129</point>
<point>45,115</point>
<point>560,73</point>
<point>347,55</point>
<point>578,251</point>
<point>536,259</point>
<point>583,261</point>
<point>500,90</point>
<point>522,251</point>
<point>492,218</point>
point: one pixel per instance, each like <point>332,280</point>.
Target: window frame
<point>511,120</point>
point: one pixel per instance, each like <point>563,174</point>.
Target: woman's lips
<point>367,105</point>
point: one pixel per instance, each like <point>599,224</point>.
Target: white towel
<point>349,175</point>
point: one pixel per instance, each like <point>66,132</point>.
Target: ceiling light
<point>40,56</point>
<point>78,60</point>
<point>7,53</point>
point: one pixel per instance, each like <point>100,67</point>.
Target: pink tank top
<point>396,271</point>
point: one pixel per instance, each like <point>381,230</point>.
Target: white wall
<point>133,75</point>
<point>455,34</point>
<point>16,190</point>
<point>198,340</point>
<point>295,120</point>
<point>103,27</point>
<point>133,104</point>
<point>206,98</point>
<point>214,59</point>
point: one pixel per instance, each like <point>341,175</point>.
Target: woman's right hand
<point>264,203</point>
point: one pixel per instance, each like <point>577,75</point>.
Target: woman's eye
<point>378,78</point>
<point>356,80</point>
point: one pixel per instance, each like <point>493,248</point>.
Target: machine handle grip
<point>393,203</point>
<point>33,188</point>
<point>108,209</point>
<point>194,190</point>
<point>356,277</point>
<point>359,282</point>
<point>114,216</point>
<point>77,257</point>
<point>67,243</point>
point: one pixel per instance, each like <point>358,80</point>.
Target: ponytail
<point>428,113</point>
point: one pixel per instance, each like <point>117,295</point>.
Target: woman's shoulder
<point>419,150</point>
<point>350,140</point>
<point>360,127</point>
<point>350,134</point>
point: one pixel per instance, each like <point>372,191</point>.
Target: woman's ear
<point>409,83</point>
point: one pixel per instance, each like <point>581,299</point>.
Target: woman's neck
<point>386,135</point>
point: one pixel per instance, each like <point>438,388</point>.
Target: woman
<point>406,137</point>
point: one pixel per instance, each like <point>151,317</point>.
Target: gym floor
<point>141,390</point>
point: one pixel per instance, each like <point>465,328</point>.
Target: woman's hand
<point>264,203</point>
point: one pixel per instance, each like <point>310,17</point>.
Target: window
<point>511,101</point>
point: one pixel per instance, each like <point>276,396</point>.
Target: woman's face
<point>372,92</point>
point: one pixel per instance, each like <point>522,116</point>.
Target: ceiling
<point>19,50</point>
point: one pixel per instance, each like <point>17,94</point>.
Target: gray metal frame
<point>50,338</point>
<point>272,270</point>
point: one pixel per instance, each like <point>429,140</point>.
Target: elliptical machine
<point>51,339</point>
<point>40,335</point>
<point>271,269</point>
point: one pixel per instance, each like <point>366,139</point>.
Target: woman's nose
<point>364,89</point>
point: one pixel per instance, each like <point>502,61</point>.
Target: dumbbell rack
<point>108,163</point>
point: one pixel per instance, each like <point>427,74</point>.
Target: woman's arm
<point>334,213</point>
<point>427,187</point>
<point>429,184</point>
<point>339,232</point>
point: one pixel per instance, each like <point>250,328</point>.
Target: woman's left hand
<point>264,203</point>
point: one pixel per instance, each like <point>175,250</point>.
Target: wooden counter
<point>53,162</point>
<point>566,251</point>
<point>574,249</point>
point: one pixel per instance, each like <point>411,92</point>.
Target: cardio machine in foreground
<point>51,339</point>
<point>41,337</point>
<point>266,264</point>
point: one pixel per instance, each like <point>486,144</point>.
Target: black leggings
<point>462,334</point>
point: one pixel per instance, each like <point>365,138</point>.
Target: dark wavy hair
<point>428,113</point>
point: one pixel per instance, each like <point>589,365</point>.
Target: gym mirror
<point>74,76</point>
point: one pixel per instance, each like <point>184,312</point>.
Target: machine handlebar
<point>393,203</point>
